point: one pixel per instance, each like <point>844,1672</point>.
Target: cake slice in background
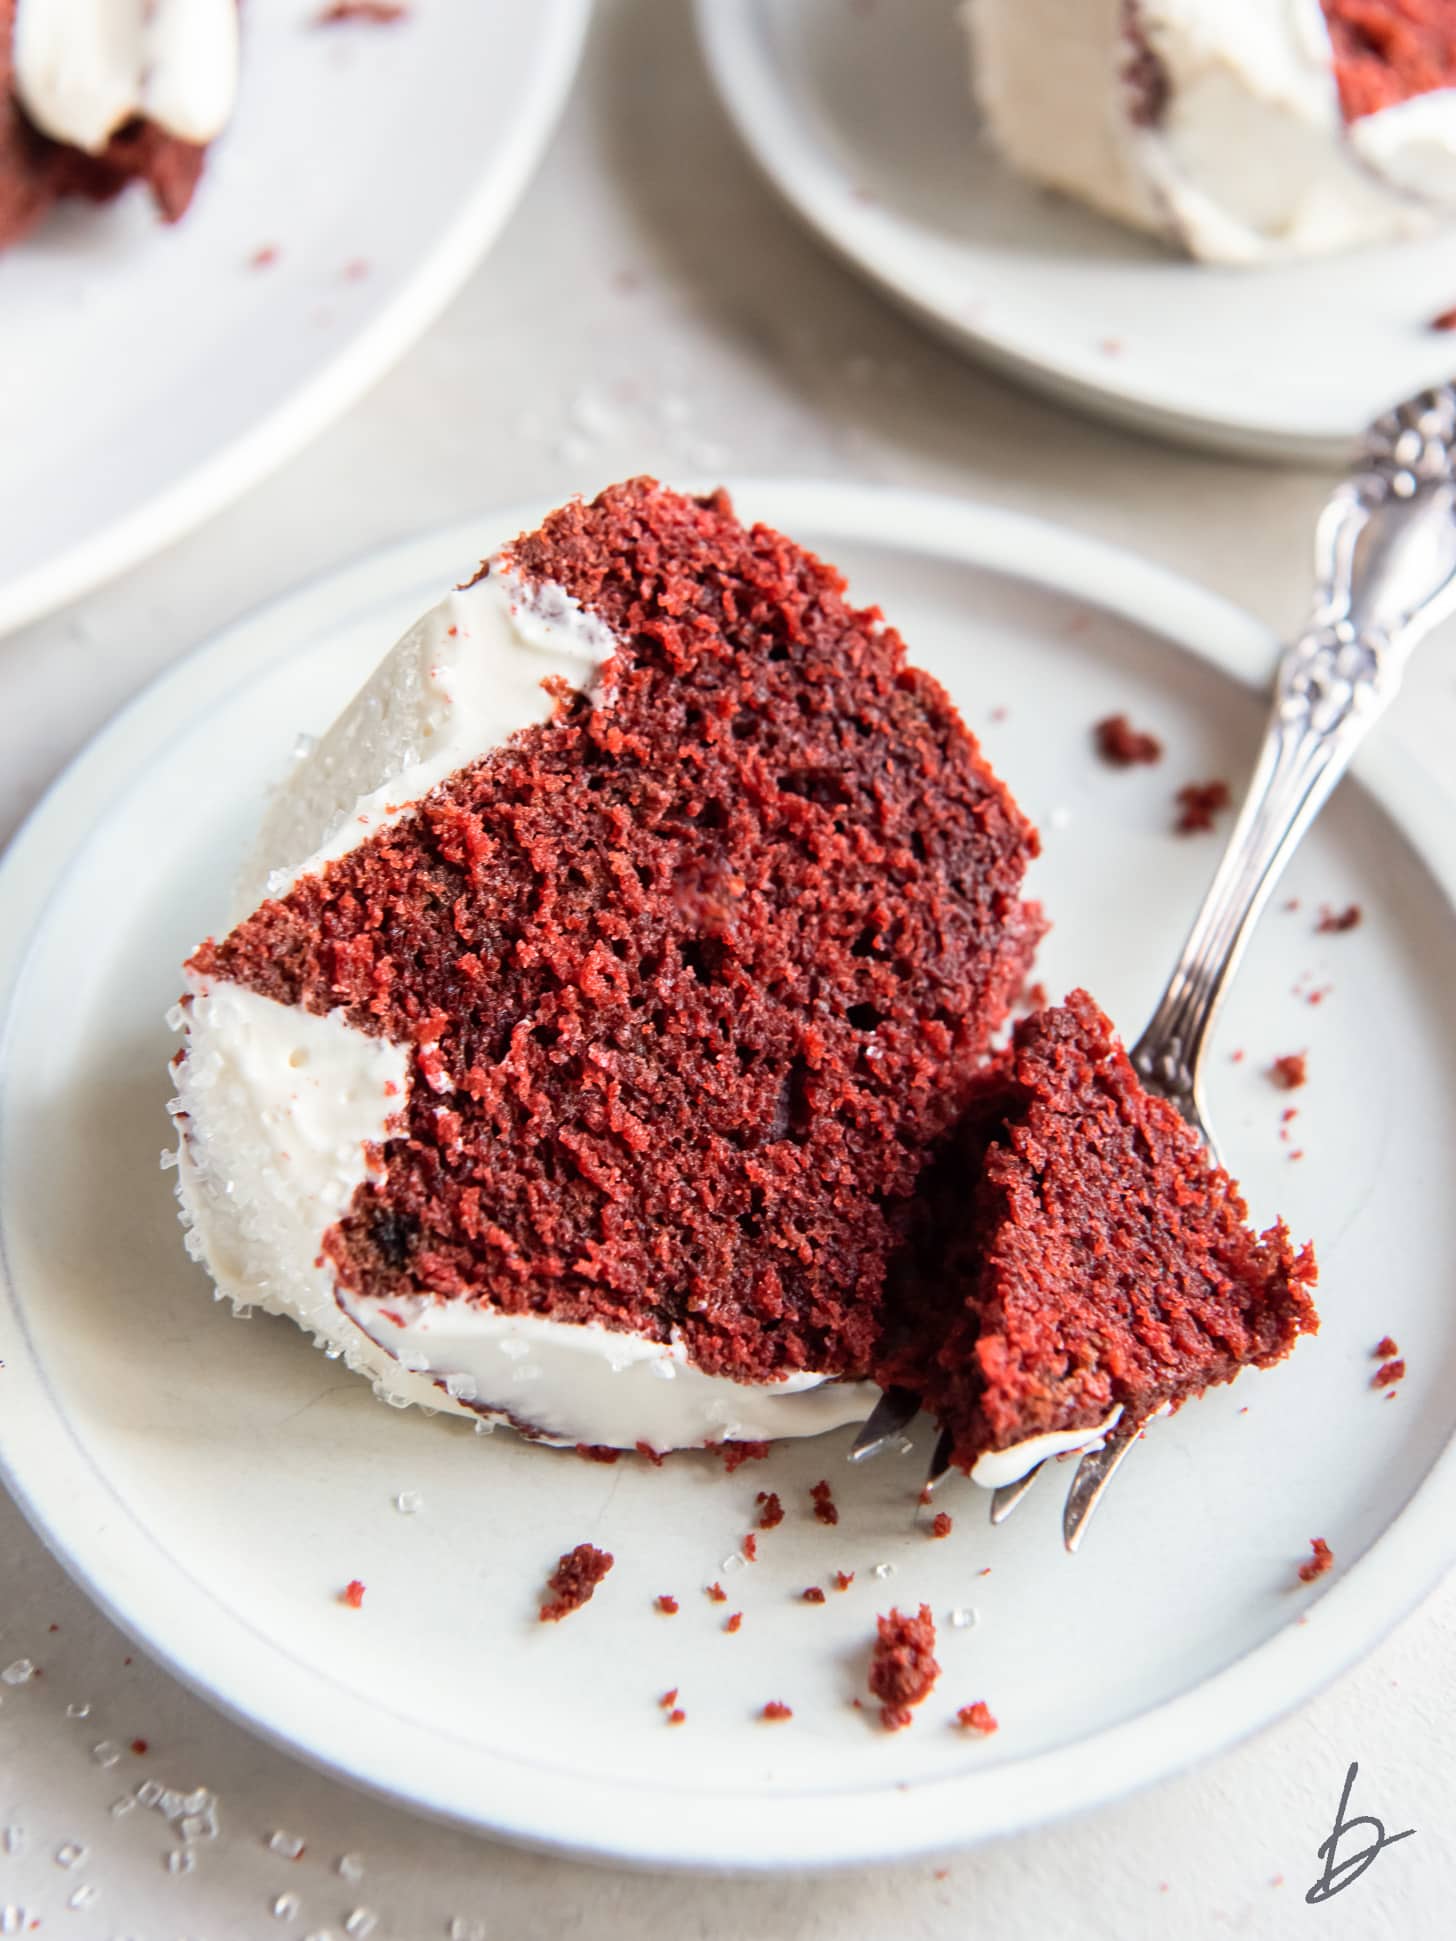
<point>1080,1261</point>
<point>96,94</point>
<point>1241,130</point>
<point>632,940</point>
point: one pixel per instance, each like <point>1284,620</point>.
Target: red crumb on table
<point>1387,1373</point>
<point>903,1668</point>
<point>1446,320</point>
<point>676,1716</point>
<point>646,1450</point>
<point>264,258</point>
<point>668,1699</point>
<point>942,1526</point>
<point>735,1454</point>
<point>377,13</point>
<point>813,1595</point>
<point>355,270</point>
<point>773,1510</point>
<point>1122,745</point>
<point>596,1452</point>
<point>1385,1347</point>
<point>1290,903</point>
<point>1319,1563</point>
<point>352,1594</point>
<point>750,1547</point>
<point>667,1605</point>
<point>927,1495</point>
<point>139,1747</point>
<point>733,1621</point>
<point>977,1718</point>
<point>1237,1057</point>
<point>843,1579</point>
<point>1198,804</point>
<point>716,1594</point>
<point>1000,714</point>
<point>574,1579</point>
<point>774,1710</point>
<point>824,1505</point>
<point>1290,1071</point>
<point>1332,922</point>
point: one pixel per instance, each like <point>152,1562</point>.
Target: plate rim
<point>300,416</point>
<point>795,166</point>
<point>589,1818</point>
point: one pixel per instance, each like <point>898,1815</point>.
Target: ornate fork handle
<point>1386,565</point>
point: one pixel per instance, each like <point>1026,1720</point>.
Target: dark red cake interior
<point>1387,51</point>
<point>1076,1248</point>
<point>697,974</point>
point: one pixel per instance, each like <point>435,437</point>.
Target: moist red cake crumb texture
<point>825,1508</point>
<point>903,1668</point>
<point>352,1594</point>
<point>1387,51</point>
<point>574,1580</point>
<point>716,1594</point>
<point>1321,1561</point>
<point>977,1718</point>
<point>941,1526</point>
<point>1198,804</point>
<point>667,1605</point>
<point>676,1716</point>
<point>772,1513</point>
<point>1291,1071</point>
<point>1123,746</point>
<point>706,966</point>
<point>1078,1250</point>
<point>1386,1347</point>
<point>776,1711</point>
<point>735,1454</point>
<point>734,1621</point>
<point>813,1595</point>
<point>1387,1373</point>
<point>36,172</point>
<point>750,1548</point>
<point>843,1579</point>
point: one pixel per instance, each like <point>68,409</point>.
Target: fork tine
<point>1005,1499</point>
<point>940,1461</point>
<point>894,1411</point>
<point>1095,1471</point>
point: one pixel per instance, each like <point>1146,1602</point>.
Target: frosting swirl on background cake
<point>85,68</point>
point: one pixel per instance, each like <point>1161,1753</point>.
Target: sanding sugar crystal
<point>463,1928</point>
<point>70,1854</point>
<point>362,1921</point>
<point>285,1907</point>
<point>349,1866</point>
<point>287,1844</point>
<point>17,1672</point>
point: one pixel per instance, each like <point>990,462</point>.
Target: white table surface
<point>651,308</point>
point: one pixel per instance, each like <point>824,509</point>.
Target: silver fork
<point>1385,575</point>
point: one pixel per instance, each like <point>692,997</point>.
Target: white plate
<point>214,1484</point>
<point>148,374</point>
<point>861,116</point>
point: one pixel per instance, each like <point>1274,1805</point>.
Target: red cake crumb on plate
<point>1123,746</point>
<point>1388,1373</point>
<point>733,1622</point>
<point>1319,1563</point>
<point>667,1605</point>
<point>942,1525</point>
<point>813,1595</point>
<point>843,1579</point>
<point>1198,804</point>
<point>1385,1348</point>
<point>825,1508</point>
<point>735,1454</point>
<point>1290,1071</point>
<point>903,1669</point>
<point>977,1718</point>
<point>716,1594</point>
<point>574,1580</point>
<point>773,1510</point>
<point>775,1711</point>
<point>750,1547</point>
<point>352,1594</point>
<point>1333,922</point>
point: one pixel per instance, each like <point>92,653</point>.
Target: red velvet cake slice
<point>1079,1259</point>
<point>611,1045</point>
<point>87,108</point>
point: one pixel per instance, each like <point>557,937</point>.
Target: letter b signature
<point>1341,1873</point>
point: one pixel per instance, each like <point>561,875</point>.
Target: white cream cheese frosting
<point>998,1467</point>
<point>1243,156</point>
<point>282,1114</point>
<point>83,68</point>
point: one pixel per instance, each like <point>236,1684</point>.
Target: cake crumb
<point>140,1748</point>
<point>676,1715</point>
<point>1446,320</point>
<point>376,13</point>
<point>750,1547</point>
<point>735,1454</point>
<point>775,1710</point>
<point>352,1594</point>
<point>1333,922</point>
<point>843,1579</point>
<point>977,1718</point>
<point>733,1622</point>
<point>668,1699</point>
<point>773,1510</point>
<point>813,1595</point>
<point>1387,1373</point>
<point>573,1581</point>
<point>649,1454</point>
<point>1291,1071</point>
<point>1319,1563</point>
<point>667,1605</point>
<point>1123,746</point>
<point>1385,1347</point>
<point>596,1452</point>
<point>1198,804</point>
<point>903,1668</point>
<point>942,1526</point>
<point>824,1505</point>
<point>264,258</point>
<point>716,1594</point>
